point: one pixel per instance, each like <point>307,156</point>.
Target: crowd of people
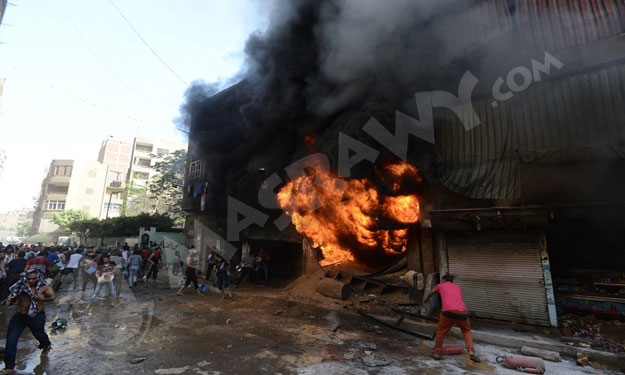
<point>107,267</point>
<point>85,265</point>
<point>31,274</point>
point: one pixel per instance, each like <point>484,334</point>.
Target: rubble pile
<point>590,332</point>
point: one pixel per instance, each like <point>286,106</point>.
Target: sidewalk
<point>497,336</point>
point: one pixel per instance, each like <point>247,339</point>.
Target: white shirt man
<point>74,260</point>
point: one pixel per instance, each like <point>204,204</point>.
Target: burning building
<point>506,171</point>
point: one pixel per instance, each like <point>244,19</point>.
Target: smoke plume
<point>327,66</point>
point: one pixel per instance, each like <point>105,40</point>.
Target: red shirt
<point>145,254</point>
<point>38,263</point>
<point>451,295</point>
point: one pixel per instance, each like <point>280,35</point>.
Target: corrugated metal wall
<point>555,24</point>
<point>501,281</point>
<point>550,121</point>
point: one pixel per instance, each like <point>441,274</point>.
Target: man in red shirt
<point>145,254</point>
<point>39,263</point>
<point>453,312</point>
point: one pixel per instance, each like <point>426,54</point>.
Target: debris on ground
<point>137,360</point>
<point>582,359</point>
<point>588,331</point>
<point>334,320</point>
<point>422,348</point>
<point>375,360</point>
<point>541,353</point>
<point>596,365</point>
<point>328,353</point>
<point>333,288</point>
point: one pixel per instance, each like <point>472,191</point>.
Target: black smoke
<point>327,66</point>
<point>320,68</point>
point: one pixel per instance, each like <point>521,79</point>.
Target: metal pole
<point>109,206</point>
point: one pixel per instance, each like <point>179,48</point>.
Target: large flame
<point>344,218</point>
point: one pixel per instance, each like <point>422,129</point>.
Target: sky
<point>76,73</point>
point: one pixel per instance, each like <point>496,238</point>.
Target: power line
<point>95,104</point>
<point>146,43</point>
<point>95,55</point>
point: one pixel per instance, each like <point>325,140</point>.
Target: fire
<point>402,169</point>
<point>403,209</point>
<point>344,218</point>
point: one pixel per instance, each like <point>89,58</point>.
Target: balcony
<point>56,197</point>
<point>113,186</point>
<point>59,180</point>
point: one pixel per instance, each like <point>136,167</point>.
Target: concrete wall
<point>86,188</point>
<point>169,243</point>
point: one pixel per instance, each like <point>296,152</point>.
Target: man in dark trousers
<point>210,263</point>
<point>453,312</point>
<point>30,293</point>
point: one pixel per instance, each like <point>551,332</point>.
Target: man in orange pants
<point>453,311</point>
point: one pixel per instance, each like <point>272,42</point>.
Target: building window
<point>144,148</point>
<point>161,151</point>
<point>195,171</point>
<point>55,205</point>
<point>89,191</point>
<point>143,162</point>
<point>92,174</point>
<point>62,171</point>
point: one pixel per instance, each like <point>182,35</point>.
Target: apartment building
<point>70,184</point>
<point>115,154</point>
<point>145,153</point>
<point>96,187</point>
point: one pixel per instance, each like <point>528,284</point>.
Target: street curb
<point>491,338</point>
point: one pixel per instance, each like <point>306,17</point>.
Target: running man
<point>105,274</point>
<point>30,292</point>
<point>193,263</point>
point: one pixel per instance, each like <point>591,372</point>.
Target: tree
<point>65,218</point>
<point>84,229</point>
<point>135,199</point>
<point>120,226</point>
<point>166,188</point>
<point>25,229</point>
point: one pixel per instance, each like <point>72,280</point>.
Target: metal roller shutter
<point>501,281</point>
